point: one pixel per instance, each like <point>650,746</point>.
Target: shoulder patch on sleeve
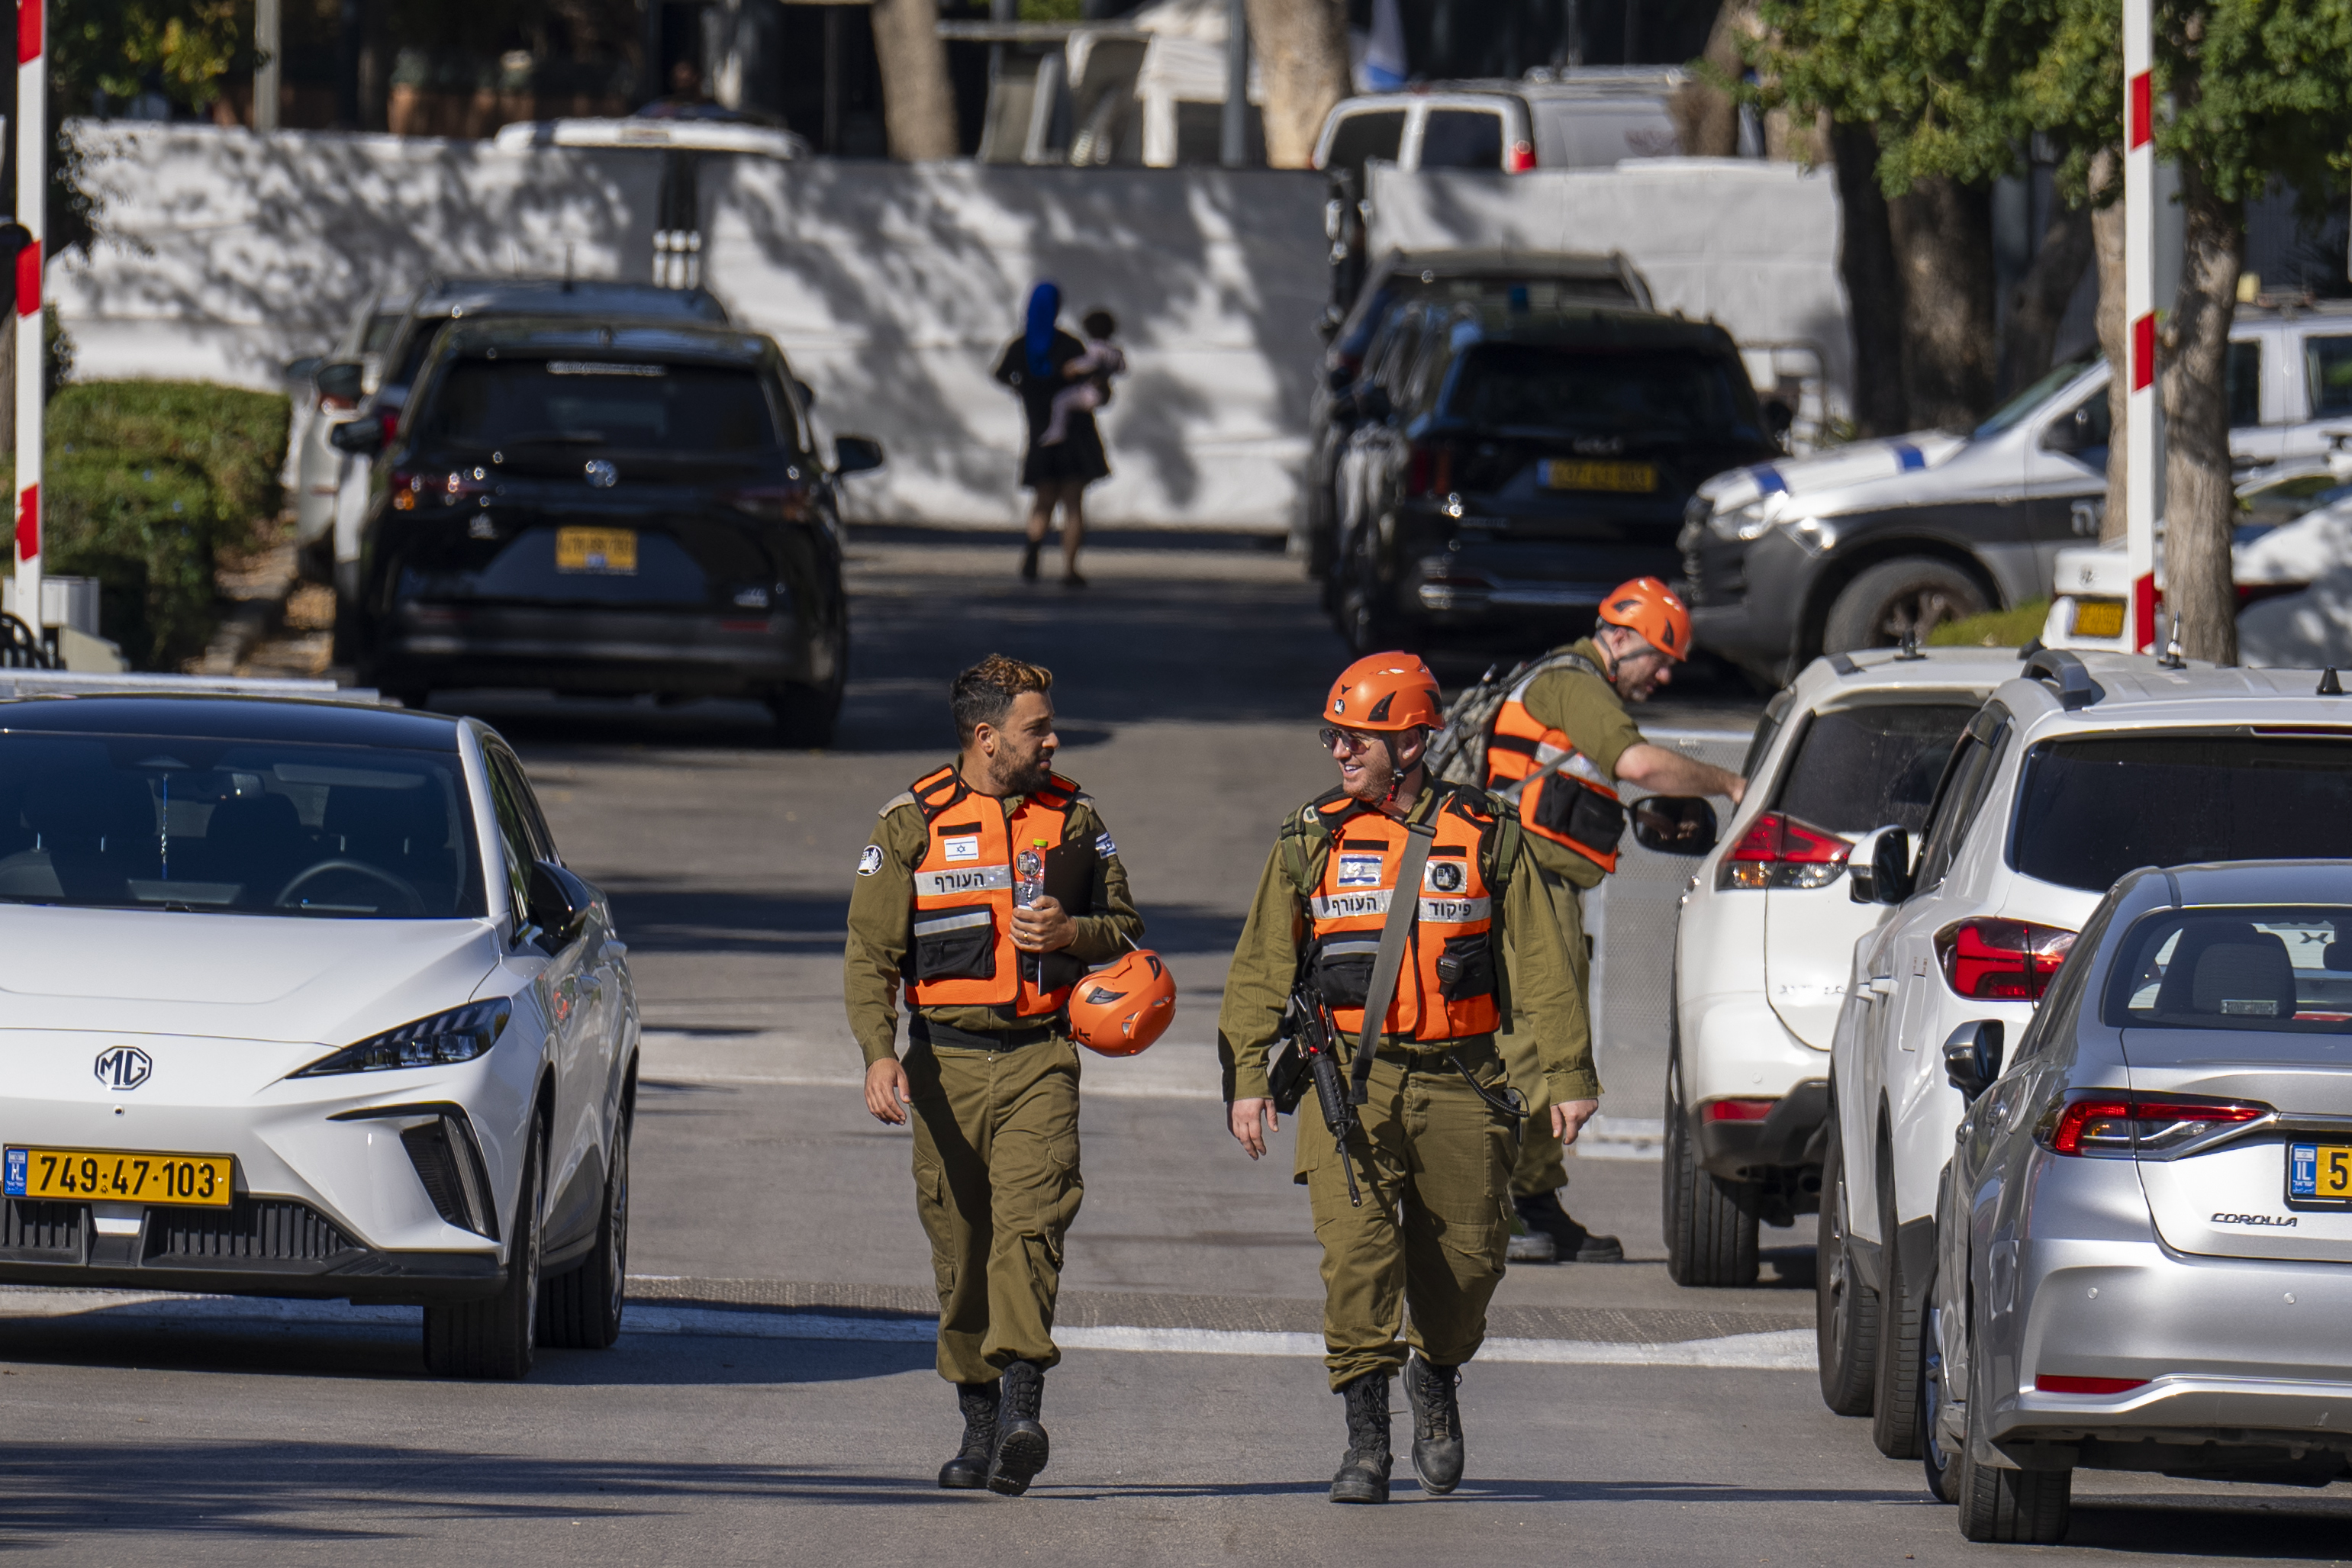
<point>905,798</point>
<point>870,862</point>
<point>1105,846</point>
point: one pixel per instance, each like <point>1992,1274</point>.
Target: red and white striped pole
<point>2139,316</point>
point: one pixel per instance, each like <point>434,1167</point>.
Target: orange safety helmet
<point>1385,692</point>
<point>1648,609</point>
<point>1118,1010</point>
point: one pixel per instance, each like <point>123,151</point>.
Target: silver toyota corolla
<point>2143,1232</point>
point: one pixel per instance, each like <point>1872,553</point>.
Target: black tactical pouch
<point>1287,1079</point>
<point>1343,970</point>
<point>1467,968</point>
<point>1571,811</point>
<point>955,943</point>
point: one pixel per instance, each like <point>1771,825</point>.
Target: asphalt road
<point>773,1397</point>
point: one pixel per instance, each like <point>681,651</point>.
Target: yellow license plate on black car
<point>116,1176</point>
<point>1626,479</point>
<point>613,551</point>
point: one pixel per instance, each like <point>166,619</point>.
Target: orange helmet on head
<point>1648,609</point>
<point>1385,692</point>
<point>1118,1010</point>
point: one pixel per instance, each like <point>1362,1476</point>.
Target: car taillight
<point>2116,1127</point>
<point>390,420</point>
<point>785,503</point>
<point>2001,960</point>
<point>2054,1383</point>
<point>1429,471</point>
<point>1737,1110</point>
<point>1522,158</point>
<point>1778,850</point>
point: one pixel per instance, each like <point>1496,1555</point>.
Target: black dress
<point>1078,455</point>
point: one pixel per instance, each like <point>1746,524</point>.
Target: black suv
<point>1507,467</point>
<point>607,510</point>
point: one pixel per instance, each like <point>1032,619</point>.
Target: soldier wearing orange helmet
<point>1563,743</point>
<point>1432,1133</point>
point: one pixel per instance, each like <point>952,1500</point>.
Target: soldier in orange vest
<point>990,1073</point>
<point>1563,743</point>
<point>1410,1260</point>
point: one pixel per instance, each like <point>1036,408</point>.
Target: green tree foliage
<point>190,49</point>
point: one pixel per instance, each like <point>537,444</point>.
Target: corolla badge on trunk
<point>124,1067</point>
<point>602,474</point>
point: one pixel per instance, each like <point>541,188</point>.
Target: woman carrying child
<point>1060,380</point>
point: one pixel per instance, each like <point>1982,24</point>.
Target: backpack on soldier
<point>1458,755</point>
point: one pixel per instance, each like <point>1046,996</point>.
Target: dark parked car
<point>1510,466</point>
<point>607,510</point>
<point>1402,278</point>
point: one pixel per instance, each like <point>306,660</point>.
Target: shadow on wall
<point>894,287</point>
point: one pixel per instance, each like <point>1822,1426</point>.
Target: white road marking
<point>1170,1070</point>
<point>1782,1350</point>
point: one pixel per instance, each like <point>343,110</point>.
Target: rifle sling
<point>1404,907</point>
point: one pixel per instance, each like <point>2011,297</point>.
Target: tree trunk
<point>1873,289</point>
<point>1943,245</point>
<point>2038,304</point>
<point>1302,55</point>
<point>918,102</point>
<point>1705,116</point>
<point>2107,242</point>
<point>2199,503</point>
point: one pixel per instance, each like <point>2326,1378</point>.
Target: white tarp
<point>1748,244</point>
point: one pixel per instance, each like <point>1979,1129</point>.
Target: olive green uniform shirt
<point>1588,710</point>
<point>1542,999</point>
<point>882,923</point>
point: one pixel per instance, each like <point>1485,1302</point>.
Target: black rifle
<point>1311,1038</point>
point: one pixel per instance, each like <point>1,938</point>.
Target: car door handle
<point>1880,985</point>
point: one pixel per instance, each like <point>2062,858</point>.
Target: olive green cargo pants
<point>1433,1163</point>
<point>996,1184</point>
<point>1541,1165</point>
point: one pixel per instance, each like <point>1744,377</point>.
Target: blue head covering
<point>1045,310</point>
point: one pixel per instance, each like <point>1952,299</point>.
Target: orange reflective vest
<point>1562,795</point>
<point>1446,987</point>
<point>964,954</point>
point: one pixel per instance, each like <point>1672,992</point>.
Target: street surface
<point>774,1400</point>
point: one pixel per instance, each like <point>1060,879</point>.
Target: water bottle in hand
<point>1028,886</point>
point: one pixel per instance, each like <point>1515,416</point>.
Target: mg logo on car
<point>124,1067</point>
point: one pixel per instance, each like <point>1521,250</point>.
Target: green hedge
<point>146,483</point>
<point>1994,628</point>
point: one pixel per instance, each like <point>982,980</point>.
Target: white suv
<point>2081,769</point>
<point>1765,939</point>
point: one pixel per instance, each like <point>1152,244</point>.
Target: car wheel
<point>1365,616</point>
<point>493,1338</point>
<point>1711,1224</point>
<point>1911,596</point>
<point>2019,1506</point>
<point>1845,1310</point>
<point>805,717</point>
<point>1940,1461</point>
<point>581,1307</point>
<point>1895,1402</point>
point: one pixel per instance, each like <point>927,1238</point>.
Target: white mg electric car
<point>1765,939</point>
<point>300,1001</point>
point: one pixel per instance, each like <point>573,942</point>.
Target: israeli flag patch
<point>1104,848</point>
<point>1359,870</point>
<point>871,861</point>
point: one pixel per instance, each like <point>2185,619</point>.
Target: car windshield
<point>490,403</point>
<point>2092,808</point>
<point>1857,768</point>
<point>2033,397</point>
<point>236,826</point>
<point>1662,394</point>
<point>2285,969</point>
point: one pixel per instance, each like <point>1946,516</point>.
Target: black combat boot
<point>968,1471</point>
<point>1436,1424</point>
<point>1364,1470</point>
<point>1022,1447</point>
<point>1572,1242</point>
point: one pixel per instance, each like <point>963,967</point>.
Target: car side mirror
<point>303,369</point>
<point>855,454</point>
<point>560,903</point>
<point>1372,404</point>
<point>360,437</point>
<point>1777,418</point>
<point>1972,1056</point>
<point>1676,824</point>
<point>2069,433</point>
<point>1878,871</point>
<point>342,380</point>
<point>807,393</point>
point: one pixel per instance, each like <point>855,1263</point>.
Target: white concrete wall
<point>1751,244</point>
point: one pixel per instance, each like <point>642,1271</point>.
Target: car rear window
<point>236,827</point>
<point>1862,767</point>
<point>2092,808</point>
<point>605,402</point>
<point>1664,394</point>
<point>2287,969</point>
<point>1462,138</point>
<point>1374,133</point>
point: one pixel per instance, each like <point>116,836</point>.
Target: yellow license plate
<point>2318,1173</point>
<point>1627,479</point>
<point>2098,618</point>
<point>609,550</point>
<point>116,1176</point>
